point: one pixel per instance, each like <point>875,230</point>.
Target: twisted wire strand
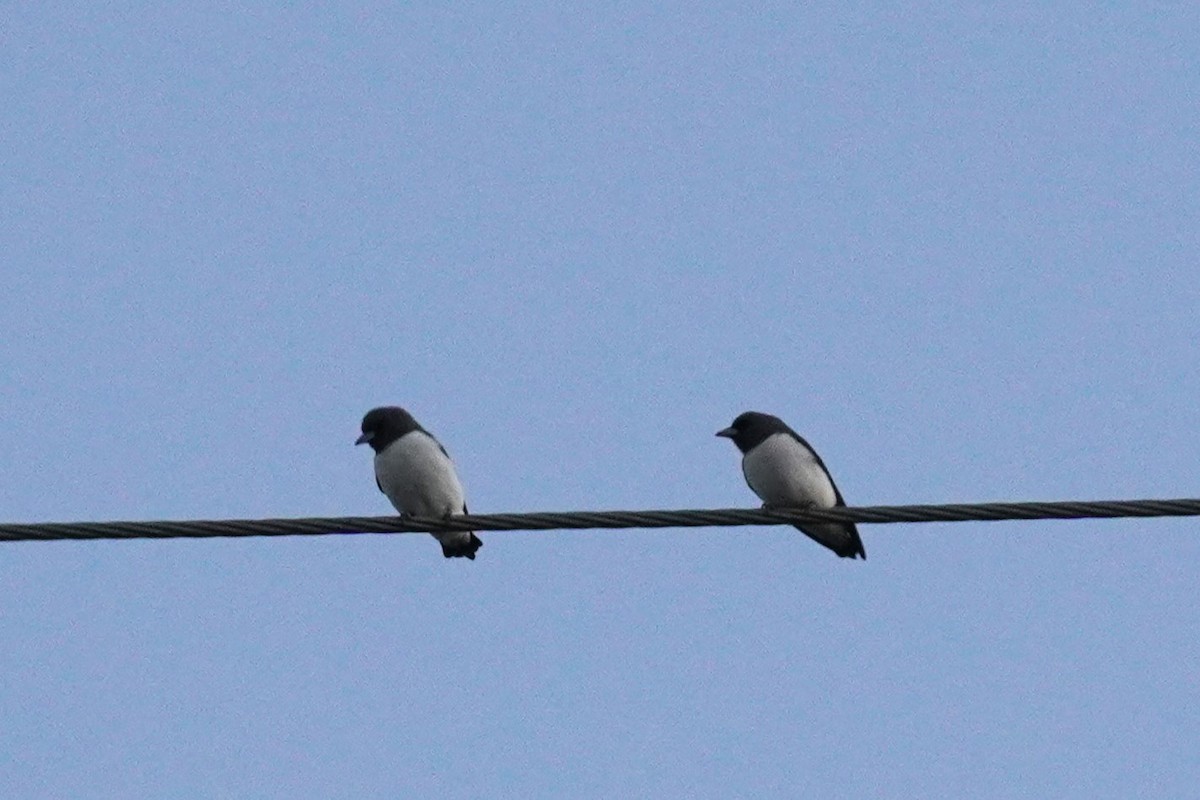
<point>582,520</point>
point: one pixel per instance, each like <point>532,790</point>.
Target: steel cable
<point>581,520</point>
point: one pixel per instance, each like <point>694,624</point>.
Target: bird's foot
<point>803,506</point>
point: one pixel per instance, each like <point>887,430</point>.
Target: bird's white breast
<point>418,478</point>
<point>784,472</point>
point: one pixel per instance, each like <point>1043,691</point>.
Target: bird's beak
<point>728,433</point>
<point>366,437</point>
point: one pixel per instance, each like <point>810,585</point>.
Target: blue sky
<point>954,246</point>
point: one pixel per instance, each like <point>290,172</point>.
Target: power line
<point>578,520</point>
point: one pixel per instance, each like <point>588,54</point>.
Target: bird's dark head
<point>382,426</point>
<point>751,428</point>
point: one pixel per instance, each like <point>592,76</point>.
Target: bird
<point>415,472</point>
<point>786,472</point>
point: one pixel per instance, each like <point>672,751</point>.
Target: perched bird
<point>785,472</point>
<point>415,472</point>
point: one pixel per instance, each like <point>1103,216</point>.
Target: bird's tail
<point>462,546</point>
<point>841,538</point>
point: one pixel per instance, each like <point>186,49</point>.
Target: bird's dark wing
<point>854,547</point>
<point>849,549</point>
<point>439,444</point>
<point>837,493</point>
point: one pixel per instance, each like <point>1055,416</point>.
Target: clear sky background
<point>955,247</point>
